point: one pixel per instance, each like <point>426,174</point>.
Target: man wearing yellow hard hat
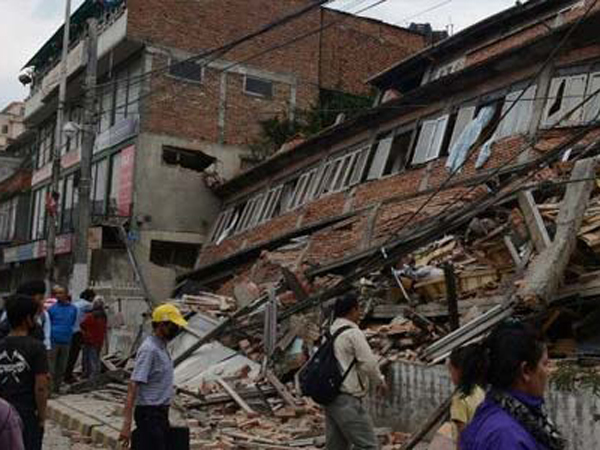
<point>151,386</point>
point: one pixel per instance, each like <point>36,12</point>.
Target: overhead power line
<point>207,62</point>
<point>491,130</point>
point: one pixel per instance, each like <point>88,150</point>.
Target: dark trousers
<point>152,423</point>
<point>58,358</point>
<point>76,343</point>
<point>33,434</point>
<point>91,362</point>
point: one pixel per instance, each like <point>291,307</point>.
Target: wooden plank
<point>234,395</point>
<point>281,389</point>
<point>294,284</point>
<point>452,296</point>
<point>514,254</point>
<point>287,340</point>
<point>534,221</point>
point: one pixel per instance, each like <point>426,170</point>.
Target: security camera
<point>25,79</point>
<point>26,76</point>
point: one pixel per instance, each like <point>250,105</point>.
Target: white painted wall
<point>417,390</point>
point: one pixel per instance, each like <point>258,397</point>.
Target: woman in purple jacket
<point>512,417</point>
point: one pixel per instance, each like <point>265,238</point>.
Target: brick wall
<point>529,33</point>
<point>335,60</point>
<point>395,197</point>
<point>336,242</point>
<point>351,50</point>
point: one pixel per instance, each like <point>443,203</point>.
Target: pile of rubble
<point>535,254</point>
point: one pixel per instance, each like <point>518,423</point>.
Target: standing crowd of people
<point>41,339</point>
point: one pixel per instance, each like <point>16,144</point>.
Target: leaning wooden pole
<point>545,275</point>
<point>438,416</point>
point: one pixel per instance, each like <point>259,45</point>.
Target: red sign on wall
<point>125,195</point>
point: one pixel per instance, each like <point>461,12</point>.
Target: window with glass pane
<point>115,165</point>
<point>8,215</point>
<point>121,97</point>
<point>39,213</point>
<point>67,212</point>
<point>135,87</point>
<point>100,186</point>
<point>106,112</point>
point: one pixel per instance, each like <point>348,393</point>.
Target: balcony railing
<point>112,30</point>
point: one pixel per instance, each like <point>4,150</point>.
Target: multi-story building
<point>471,108</point>
<point>11,123</point>
<point>167,122</point>
<point>15,202</point>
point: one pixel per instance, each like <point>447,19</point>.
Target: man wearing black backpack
<point>348,424</point>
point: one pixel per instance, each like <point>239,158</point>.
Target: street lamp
<point>71,129</point>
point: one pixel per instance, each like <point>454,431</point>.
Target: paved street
<point>56,439</point>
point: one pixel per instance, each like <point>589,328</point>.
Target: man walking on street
<point>24,370</point>
<point>63,316</point>
<point>83,305</point>
<point>151,387</point>
<point>348,424</point>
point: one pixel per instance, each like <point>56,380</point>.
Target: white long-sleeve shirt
<point>352,344</point>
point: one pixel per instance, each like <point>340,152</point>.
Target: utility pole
<point>58,144</point>
<point>452,296</point>
<point>80,276</point>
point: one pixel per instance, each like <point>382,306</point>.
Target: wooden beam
<point>451,296</point>
<point>281,389</point>
<point>294,284</point>
<point>235,396</point>
<point>512,250</point>
<point>439,415</point>
<point>533,219</point>
<point>544,277</point>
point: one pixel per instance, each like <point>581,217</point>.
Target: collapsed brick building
<point>467,195</point>
<point>479,155</point>
<point>169,123</point>
<point>347,189</point>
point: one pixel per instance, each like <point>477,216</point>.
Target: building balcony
<point>111,40</point>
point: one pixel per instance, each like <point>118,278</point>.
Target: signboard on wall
<point>119,132</point>
<point>71,158</point>
<point>126,175</point>
<point>67,160</point>
<point>36,250</point>
<point>95,238</point>
<point>20,253</point>
<point>64,245</point>
<point>42,174</point>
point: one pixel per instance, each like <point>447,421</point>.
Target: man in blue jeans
<point>63,316</point>
<point>151,387</point>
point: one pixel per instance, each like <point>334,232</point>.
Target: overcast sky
<point>26,24</point>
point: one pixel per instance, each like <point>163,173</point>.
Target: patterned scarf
<point>534,420</point>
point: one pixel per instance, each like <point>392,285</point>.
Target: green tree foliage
<point>278,130</point>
